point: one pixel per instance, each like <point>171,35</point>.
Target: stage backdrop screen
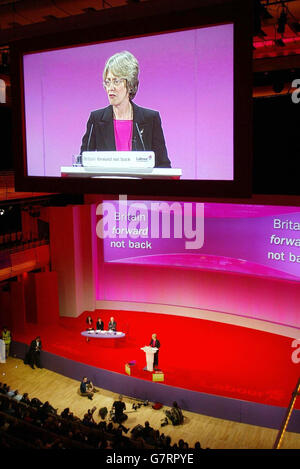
<point>187,76</point>
<point>255,240</point>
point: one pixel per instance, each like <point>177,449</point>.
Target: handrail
<point>287,417</point>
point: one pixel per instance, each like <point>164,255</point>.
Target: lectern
<point>118,164</point>
<point>149,351</point>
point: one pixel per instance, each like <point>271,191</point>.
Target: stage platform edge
<point>226,408</point>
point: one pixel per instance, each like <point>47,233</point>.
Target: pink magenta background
<point>187,76</point>
<point>231,276</point>
<point>236,239</point>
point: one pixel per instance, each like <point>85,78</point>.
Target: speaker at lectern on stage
<point>150,352</point>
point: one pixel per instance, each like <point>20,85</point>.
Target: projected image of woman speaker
<point>124,126</point>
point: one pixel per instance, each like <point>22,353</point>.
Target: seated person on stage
<point>175,414</point>
<point>119,407</point>
<point>112,325</point>
<point>87,388</point>
<point>89,325</point>
<point>154,342</point>
<point>89,322</point>
<point>99,325</point>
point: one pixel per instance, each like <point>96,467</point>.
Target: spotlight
<point>281,22</point>
<point>259,12</point>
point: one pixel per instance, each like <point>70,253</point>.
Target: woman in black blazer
<point>123,125</point>
<point>99,325</point>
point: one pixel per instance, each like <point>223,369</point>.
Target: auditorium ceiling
<point>277,32</point>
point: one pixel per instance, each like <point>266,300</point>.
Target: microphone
<point>89,139</point>
<point>134,143</point>
<point>79,157</point>
<point>140,135</point>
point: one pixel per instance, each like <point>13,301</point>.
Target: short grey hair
<point>124,65</point>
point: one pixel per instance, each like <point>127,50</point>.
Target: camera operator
<point>119,407</point>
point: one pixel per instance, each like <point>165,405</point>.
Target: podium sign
<point>149,351</point>
<point>118,159</point>
<point>158,376</point>
<point>2,351</point>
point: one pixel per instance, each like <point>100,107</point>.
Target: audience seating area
<point>31,424</point>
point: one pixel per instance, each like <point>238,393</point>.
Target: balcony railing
<point>19,241</point>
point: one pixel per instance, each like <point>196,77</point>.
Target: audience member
<point>25,399</point>
<point>181,444</point>
<point>175,414</point>
<point>66,414</point>
<point>35,402</point>
<point>87,388</point>
<point>48,409</point>
<point>119,407</point>
<point>147,431</point>
<point>17,396</point>
<point>65,431</point>
<point>197,446</point>
<point>88,418</point>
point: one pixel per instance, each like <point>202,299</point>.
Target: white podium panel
<point>149,351</point>
<point>2,351</point>
<point>129,173</point>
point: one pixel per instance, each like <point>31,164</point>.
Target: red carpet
<point>195,354</point>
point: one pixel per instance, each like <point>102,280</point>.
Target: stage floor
<point>196,354</point>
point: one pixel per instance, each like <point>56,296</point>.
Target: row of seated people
<point>112,325</point>
<point>30,423</point>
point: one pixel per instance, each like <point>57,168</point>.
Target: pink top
<point>123,134</point>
